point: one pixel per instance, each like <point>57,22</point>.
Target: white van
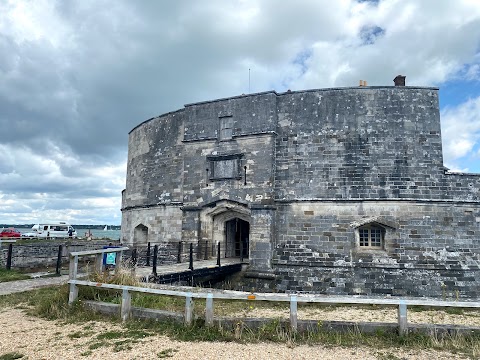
<point>59,229</point>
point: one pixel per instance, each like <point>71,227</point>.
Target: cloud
<point>38,187</point>
<point>461,135</point>
<point>77,76</point>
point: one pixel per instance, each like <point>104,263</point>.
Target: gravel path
<point>42,339</point>
<point>11,287</point>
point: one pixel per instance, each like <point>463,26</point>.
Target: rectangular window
<point>375,237</point>
<point>370,237</point>
<point>226,128</point>
<point>363,237</point>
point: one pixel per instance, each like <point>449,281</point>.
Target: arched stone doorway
<point>237,234</point>
<point>140,235</point>
<point>227,223</point>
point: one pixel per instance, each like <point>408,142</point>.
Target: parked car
<point>29,235</point>
<point>9,233</point>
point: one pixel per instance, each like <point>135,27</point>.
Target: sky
<point>77,75</point>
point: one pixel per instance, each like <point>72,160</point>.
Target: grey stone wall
<point>164,223</point>
<point>305,169</point>
<point>155,162</point>
<point>44,254</point>
<point>430,248</point>
<point>251,115</point>
<point>364,143</point>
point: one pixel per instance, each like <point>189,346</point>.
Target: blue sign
<point>110,258</point>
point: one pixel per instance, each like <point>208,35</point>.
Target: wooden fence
<point>209,296</point>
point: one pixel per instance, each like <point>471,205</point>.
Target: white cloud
<point>460,131</point>
<point>58,185</point>
<point>76,76</point>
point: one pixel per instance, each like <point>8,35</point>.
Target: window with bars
<point>371,237</point>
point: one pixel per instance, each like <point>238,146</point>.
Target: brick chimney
<point>399,80</point>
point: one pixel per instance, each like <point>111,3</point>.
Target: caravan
<point>59,229</point>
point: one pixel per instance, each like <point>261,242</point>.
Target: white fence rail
<point>209,296</point>
<point>99,266</point>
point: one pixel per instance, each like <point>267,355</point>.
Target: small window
<point>371,236</point>
<point>226,128</point>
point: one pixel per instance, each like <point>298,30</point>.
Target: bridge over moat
<point>194,273</point>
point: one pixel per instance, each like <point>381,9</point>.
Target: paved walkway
<point>11,287</point>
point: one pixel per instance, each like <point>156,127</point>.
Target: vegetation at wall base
<point>11,356</point>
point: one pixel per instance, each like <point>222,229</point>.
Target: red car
<point>9,233</point>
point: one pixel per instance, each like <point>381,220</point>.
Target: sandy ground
<point>41,339</point>
<point>384,314</point>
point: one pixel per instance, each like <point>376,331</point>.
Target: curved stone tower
<point>339,191</point>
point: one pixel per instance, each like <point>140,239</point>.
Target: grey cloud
<point>70,97</point>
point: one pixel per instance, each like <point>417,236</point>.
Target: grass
<point>11,356</point>
<point>166,353</point>
<point>51,303</point>
<point>12,275</point>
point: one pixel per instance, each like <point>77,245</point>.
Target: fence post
<point>9,256</point>
<point>190,266</point>
<point>73,294</point>
<point>155,256</point>
<point>293,313</point>
<point>179,255</point>
<point>126,305</point>
<point>402,318</point>
<point>99,263</point>
<point>209,310</point>
<point>218,254</point>
<point>118,260</point>
<point>206,249</point>
<point>73,270</point>
<point>59,260</point>
<point>148,255</point>
<point>188,309</point>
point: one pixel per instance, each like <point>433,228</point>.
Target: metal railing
<point>10,243</point>
<point>209,296</point>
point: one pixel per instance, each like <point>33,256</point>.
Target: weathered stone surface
<point>306,170</point>
<point>45,254</point>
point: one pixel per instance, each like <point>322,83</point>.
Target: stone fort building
<point>335,191</point>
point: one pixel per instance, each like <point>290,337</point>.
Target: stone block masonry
<point>44,254</point>
<point>339,191</point>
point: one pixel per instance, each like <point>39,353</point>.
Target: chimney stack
<point>399,80</point>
